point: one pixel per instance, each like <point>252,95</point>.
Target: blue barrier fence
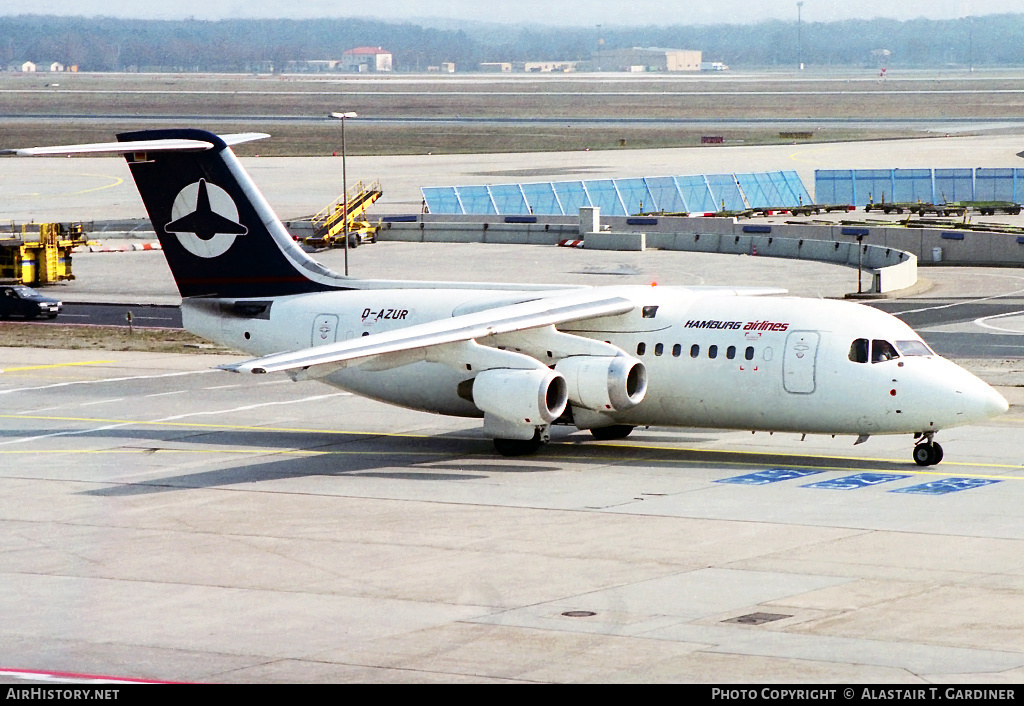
<point>861,186</point>
<point>624,197</point>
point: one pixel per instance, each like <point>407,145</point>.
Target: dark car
<point>19,300</point>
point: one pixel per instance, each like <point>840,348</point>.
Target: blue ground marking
<point>858,480</point>
<point>946,485</point>
<point>772,475</point>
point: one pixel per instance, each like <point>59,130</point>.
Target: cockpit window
<point>913,348</point>
<point>882,351</point>
<point>859,351</point>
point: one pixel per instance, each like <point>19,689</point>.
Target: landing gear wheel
<point>927,454</point>
<point>615,431</point>
<point>923,455</point>
<point>519,447</point>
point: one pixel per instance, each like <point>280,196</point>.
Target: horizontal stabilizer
<point>167,145</point>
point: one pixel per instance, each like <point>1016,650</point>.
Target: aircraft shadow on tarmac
<point>438,458</point>
<point>363,455</point>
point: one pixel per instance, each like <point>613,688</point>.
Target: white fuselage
<point>712,359</point>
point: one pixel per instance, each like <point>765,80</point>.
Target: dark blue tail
<point>220,236</point>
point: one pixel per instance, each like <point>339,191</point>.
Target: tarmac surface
<point>164,520</point>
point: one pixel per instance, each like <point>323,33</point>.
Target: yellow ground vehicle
<point>329,224</point>
<point>26,260</point>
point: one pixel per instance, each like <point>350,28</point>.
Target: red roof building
<point>364,59</point>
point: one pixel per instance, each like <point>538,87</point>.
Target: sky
<point>549,12</point>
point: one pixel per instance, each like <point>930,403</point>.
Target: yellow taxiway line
<point>57,365</point>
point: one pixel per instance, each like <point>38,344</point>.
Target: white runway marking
<point>970,301</point>
<point>253,406</point>
<point>25,439</point>
<point>108,427</point>
<point>94,382</point>
<point>90,404</point>
<point>982,322</point>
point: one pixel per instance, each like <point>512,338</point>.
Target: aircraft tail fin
<point>220,236</point>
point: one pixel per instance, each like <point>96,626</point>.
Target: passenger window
<point>882,351</point>
<point>712,351</point>
<point>730,352</point>
<point>659,349</point>
<point>859,350</point>
<point>694,350</point>
<point>749,353</point>
<point>641,348</point>
<point>677,350</point>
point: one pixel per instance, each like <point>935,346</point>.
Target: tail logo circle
<point>205,219</point>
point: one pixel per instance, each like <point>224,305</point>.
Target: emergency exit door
<point>798,363</point>
<point>325,329</point>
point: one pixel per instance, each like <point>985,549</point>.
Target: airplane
<point>526,357</point>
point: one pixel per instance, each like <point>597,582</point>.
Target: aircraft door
<point>325,329</point>
<point>798,362</point>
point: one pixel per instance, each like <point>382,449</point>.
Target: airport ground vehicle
<point>917,207</point>
<point>988,208</point>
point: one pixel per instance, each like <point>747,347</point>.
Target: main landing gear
<point>615,431</point>
<point>927,452</point>
<point>520,447</point>
<point>525,447</point>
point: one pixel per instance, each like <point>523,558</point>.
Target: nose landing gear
<point>927,452</point>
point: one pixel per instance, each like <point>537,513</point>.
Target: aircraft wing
<point>572,306</point>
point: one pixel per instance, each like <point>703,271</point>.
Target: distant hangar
<point>635,60</point>
<point>648,59</point>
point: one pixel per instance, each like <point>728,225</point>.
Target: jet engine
<point>604,384</point>
<point>535,396</point>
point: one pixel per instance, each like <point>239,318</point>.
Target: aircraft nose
<point>996,404</point>
<point>984,403</point>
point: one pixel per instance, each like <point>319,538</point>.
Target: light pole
<point>860,261</point>
<point>344,181</point>
<point>970,43</point>
<point>799,40</point>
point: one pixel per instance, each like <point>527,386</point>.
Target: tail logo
<point>205,219</point>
